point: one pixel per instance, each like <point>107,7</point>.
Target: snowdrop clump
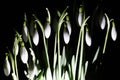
<point>62,68</point>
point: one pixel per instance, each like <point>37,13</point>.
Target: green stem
<point>29,39</point>
<point>54,52</point>
<point>49,17</point>
<point>16,68</point>
<point>106,37</point>
<point>12,61</point>
<point>78,46</point>
<point>64,14</point>
<point>45,45</point>
<point>81,55</point>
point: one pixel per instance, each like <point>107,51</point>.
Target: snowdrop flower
<point>36,37</point>
<point>113,32</point>
<point>66,35</point>
<point>80,16</point>
<point>88,38</point>
<point>23,53</point>
<point>103,22</point>
<point>68,25</point>
<point>47,30</point>
<point>7,67</point>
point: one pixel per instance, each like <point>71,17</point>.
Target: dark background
<point>11,19</point>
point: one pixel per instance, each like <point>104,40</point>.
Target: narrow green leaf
<point>96,54</point>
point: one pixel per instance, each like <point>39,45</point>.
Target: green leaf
<point>96,54</point>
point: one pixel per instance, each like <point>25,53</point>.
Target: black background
<point>12,14</point>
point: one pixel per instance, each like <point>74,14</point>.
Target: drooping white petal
<point>47,30</point>
<point>103,23</point>
<point>113,33</point>
<point>69,27</point>
<point>66,36</point>
<point>48,74</point>
<point>24,55</point>
<point>25,33</point>
<point>88,39</point>
<point>7,68</point>
<point>36,37</point>
<point>80,19</point>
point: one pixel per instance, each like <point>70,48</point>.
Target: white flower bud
<point>25,33</point>
<point>7,67</point>
<point>23,54</point>
<point>80,15</point>
<point>80,19</point>
<point>113,33</point>
<point>36,37</point>
<point>66,36</point>
<point>47,30</point>
<point>88,38</point>
<point>103,23</point>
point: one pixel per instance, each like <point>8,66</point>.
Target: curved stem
<point>64,14</point>
<point>106,37</point>
<point>49,18</point>
<point>45,45</point>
